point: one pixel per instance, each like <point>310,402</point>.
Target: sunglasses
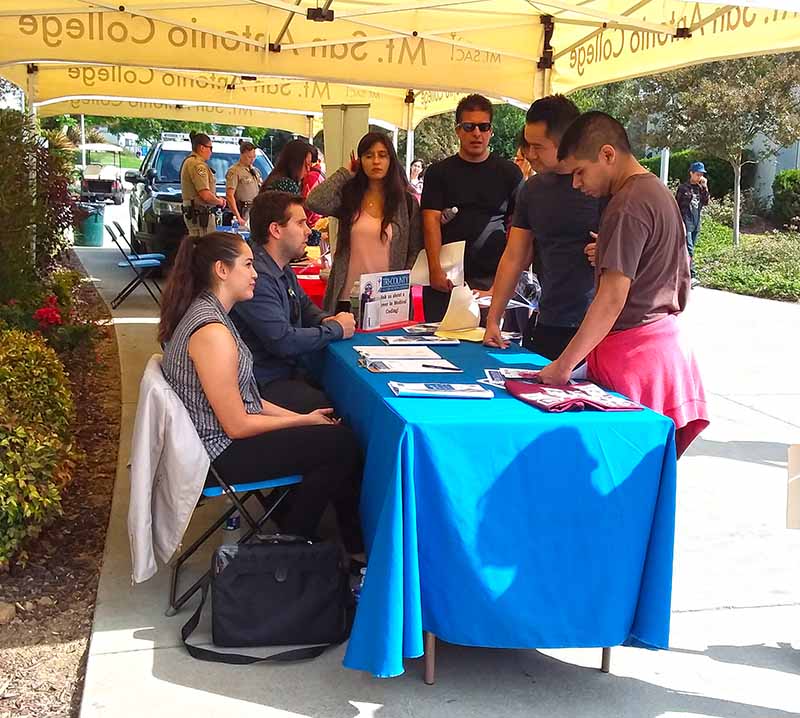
<point>470,126</point>
<point>208,147</point>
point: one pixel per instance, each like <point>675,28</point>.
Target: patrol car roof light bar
<point>184,137</point>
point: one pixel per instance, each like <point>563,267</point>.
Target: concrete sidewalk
<point>736,600</point>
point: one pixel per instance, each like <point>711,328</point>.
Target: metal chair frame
<point>279,488</point>
<point>142,269</point>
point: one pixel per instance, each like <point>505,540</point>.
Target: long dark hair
<point>191,274</point>
<point>395,186</point>
<point>290,162</point>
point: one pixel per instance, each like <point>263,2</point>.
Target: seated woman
<point>379,221</point>
<point>247,438</point>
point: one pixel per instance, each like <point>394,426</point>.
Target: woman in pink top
<point>379,221</point>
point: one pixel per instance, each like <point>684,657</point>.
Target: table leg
<point>605,666</point>
<point>430,658</point>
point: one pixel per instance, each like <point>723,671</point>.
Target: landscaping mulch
<point>43,649</point>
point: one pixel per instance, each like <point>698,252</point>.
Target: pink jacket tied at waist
<point>653,365</point>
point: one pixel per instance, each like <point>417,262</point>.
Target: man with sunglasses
<point>198,188</point>
<point>483,187</point>
<point>280,324</point>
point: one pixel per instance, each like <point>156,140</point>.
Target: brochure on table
<point>385,299</point>
<point>462,318</point>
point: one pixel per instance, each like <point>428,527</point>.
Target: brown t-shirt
<point>642,235</point>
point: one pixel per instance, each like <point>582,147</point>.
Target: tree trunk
<point>737,197</point>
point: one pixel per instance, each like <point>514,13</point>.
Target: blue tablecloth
<point>491,523</point>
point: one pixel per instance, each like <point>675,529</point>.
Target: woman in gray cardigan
<point>380,228</point>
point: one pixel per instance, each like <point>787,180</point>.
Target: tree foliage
<point>721,107</point>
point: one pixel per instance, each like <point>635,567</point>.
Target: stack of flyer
<point>403,359</point>
<point>439,389</point>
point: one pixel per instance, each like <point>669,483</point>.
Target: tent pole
<point>664,174</point>
<point>409,100</point>
<point>310,119</point>
<point>83,141</point>
<point>409,151</point>
<point>30,110</point>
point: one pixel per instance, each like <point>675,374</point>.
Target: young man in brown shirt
<point>629,336</point>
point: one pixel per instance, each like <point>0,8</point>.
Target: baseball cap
<point>697,167</point>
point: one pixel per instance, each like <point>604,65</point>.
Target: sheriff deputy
<point>242,182</point>
<point>198,188</point>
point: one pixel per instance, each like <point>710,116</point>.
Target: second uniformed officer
<point>242,182</point>
<point>198,188</point>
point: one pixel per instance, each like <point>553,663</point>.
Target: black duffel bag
<point>277,591</point>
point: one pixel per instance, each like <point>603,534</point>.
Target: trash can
<point>90,232</point>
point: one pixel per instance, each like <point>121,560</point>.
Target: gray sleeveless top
<point>180,372</point>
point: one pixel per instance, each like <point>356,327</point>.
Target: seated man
<point>280,324</point>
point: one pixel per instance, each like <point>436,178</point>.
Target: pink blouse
<point>368,251</point>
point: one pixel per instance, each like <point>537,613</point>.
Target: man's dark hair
<point>584,137</point>
<point>522,143</point>
<point>557,113</point>
<point>473,103</point>
<point>269,207</point>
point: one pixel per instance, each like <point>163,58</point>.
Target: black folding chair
<point>143,269</point>
<point>131,253</point>
<point>279,489</point>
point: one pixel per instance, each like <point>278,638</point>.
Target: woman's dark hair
<point>314,155</point>
<point>420,161</point>
<point>191,274</point>
<point>290,161</point>
<point>245,146</point>
<point>395,186</point>
<point>198,138</point>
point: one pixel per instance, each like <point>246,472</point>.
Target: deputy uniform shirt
<point>196,175</point>
<point>484,193</point>
<point>244,181</point>
<point>642,236</point>
<point>560,219</point>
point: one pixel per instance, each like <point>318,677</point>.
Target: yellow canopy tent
<point>57,81</point>
<point>299,124</point>
<point>503,48</point>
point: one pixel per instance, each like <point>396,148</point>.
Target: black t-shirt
<point>484,193</point>
<point>560,219</point>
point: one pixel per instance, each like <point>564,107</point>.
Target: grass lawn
<point>127,160</point>
<point>764,265</point>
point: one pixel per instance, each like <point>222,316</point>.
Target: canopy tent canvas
<point>56,82</point>
<point>502,48</point>
<point>248,117</point>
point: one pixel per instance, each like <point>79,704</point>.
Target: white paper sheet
<point>463,311</point>
<point>451,260</point>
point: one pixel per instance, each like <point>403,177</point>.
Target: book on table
<point>440,390</point>
<point>572,397</point>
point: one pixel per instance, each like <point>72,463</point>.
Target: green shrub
<point>33,387</point>
<point>764,265</point>
<point>34,466</point>
<point>720,172</point>
<point>63,283</point>
<point>786,196</point>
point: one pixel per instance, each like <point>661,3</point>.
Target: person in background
<point>249,439</point>
<point>314,176</point>
<point>379,221</point>
<point>242,183</point>
<point>631,336</point>
<point>692,196</point>
<point>290,170</point>
<point>199,188</point>
<point>521,157</point>
<point>551,229</point>
<point>280,324</point>
<point>482,186</point>
<point>416,180</point>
